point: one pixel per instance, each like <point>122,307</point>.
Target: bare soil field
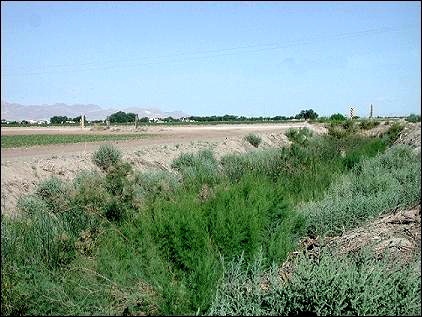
<point>23,168</point>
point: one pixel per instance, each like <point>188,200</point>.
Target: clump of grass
<point>253,139</point>
<point>339,286</point>
<point>366,149</point>
<point>106,156</point>
<point>43,241</point>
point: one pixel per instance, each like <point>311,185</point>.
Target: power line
<point>235,50</point>
<point>225,49</point>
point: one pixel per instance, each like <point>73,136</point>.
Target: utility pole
<point>136,121</point>
<point>371,111</point>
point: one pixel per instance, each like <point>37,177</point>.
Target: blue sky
<point>204,58</point>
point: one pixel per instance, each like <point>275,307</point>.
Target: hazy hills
<point>15,111</point>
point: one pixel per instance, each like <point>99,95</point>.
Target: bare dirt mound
<point>398,234</point>
<point>411,135</point>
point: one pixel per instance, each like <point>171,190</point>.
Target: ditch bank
<point>21,173</point>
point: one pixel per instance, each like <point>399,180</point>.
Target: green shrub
<point>106,156</point>
<point>338,117</point>
<point>233,166</point>
<point>117,178</point>
<point>150,184</point>
<point>390,180</point>
<point>54,192</point>
<point>368,124</point>
<point>322,119</point>
<point>413,118</point>
<point>253,139</point>
<point>190,234</point>
<point>121,188</point>
<point>349,125</point>
<point>197,169</point>
<point>115,211</point>
<point>366,149</point>
<point>337,132</point>
<point>393,132</point>
<point>350,286</point>
<point>89,192</point>
<point>161,250</point>
<point>299,136</point>
<point>317,160</point>
<point>249,216</point>
<point>338,286</point>
<point>342,129</point>
<point>31,204</point>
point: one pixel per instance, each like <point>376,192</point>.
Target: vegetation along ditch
<point>210,236</point>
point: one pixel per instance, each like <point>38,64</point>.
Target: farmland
<point>14,141</point>
<point>218,226</point>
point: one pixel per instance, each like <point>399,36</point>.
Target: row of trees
<point>123,117</point>
<point>118,117</point>
<point>304,114</point>
<point>63,119</point>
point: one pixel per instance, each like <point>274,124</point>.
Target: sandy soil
<point>23,168</point>
<point>411,135</point>
<point>398,233</point>
<point>157,135</point>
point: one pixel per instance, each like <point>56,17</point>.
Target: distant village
<point>121,117</point>
<point>46,122</point>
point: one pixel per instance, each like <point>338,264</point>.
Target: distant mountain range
<point>17,112</point>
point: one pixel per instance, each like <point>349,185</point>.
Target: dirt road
<point>158,136</point>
